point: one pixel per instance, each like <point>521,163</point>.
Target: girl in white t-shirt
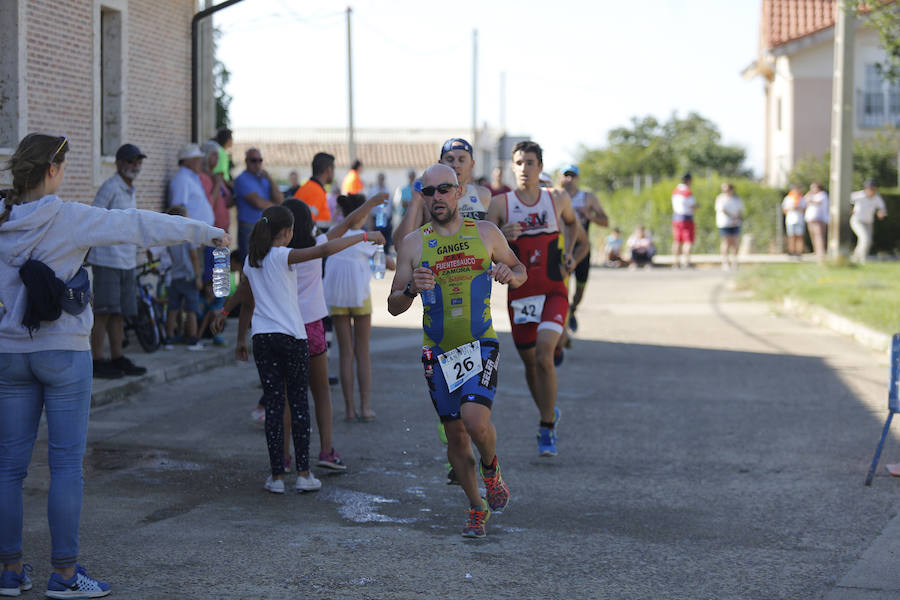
<point>347,276</point>
<point>311,296</point>
<point>280,346</point>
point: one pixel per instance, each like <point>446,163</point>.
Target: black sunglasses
<point>254,160</point>
<point>442,188</point>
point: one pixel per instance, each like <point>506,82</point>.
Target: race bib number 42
<point>528,310</point>
<point>461,364</point>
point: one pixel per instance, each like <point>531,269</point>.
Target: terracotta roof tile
<point>786,20</point>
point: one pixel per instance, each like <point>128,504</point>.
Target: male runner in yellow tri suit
<point>461,348</point>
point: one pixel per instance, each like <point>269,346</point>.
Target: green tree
<point>884,17</point>
<point>221,77</point>
<point>648,147</point>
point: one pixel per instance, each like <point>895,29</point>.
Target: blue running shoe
<point>558,356</point>
<point>546,439</point>
<point>13,584</point>
<point>556,415</point>
<point>81,585</point>
<point>573,322</point>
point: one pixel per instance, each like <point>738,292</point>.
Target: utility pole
<point>841,178</point>
<point>351,144</point>
<point>474,88</point>
<point>503,101</point>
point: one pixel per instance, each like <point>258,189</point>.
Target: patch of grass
<point>868,294</point>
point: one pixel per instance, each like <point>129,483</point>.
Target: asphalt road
<point>709,448</point>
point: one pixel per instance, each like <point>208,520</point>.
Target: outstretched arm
<point>342,227</point>
<point>298,255</point>
<point>414,217</point>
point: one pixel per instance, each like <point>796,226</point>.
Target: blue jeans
<point>60,381</point>
<point>244,230</point>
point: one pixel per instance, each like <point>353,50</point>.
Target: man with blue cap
<point>588,210</point>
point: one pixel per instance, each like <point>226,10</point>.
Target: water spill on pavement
<point>360,507</point>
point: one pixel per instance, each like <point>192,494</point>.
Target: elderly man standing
<point>115,287</point>
<point>254,192</point>
<point>186,189</point>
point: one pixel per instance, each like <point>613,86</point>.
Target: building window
<point>9,74</point>
<point>110,80</point>
<point>878,103</point>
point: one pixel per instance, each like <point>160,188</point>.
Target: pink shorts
<point>315,333</point>
<point>683,232</point>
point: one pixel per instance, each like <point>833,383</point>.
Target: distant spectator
<point>497,185</point>
<point>186,190</point>
<point>375,190</point>
<point>793,206</point>
<point>333,206</point>
<point>867,204</point>
<point>817,218</point>
<point>613,249</point>
<point>115,286</point>
<point>186,274</point>
<point>641,247</point>
<point>402,198</point>
<point>218,194</point>
<point>254,191</point>
<point>683,207</point>
<point>312,193</point>
<point>223,166</point>
<point>352,183</point>
<point>729,216</point>
<point>294,179</point>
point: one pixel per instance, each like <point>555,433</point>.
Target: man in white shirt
<point>185,189</point>
<point>867,204</point>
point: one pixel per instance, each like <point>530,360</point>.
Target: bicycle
<point>149,325</point>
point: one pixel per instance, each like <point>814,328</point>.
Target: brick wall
<point>158,105</point>
<point>60,85</point>
<point>60,82</point>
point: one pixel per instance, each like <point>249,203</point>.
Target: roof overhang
<point>807,41</point>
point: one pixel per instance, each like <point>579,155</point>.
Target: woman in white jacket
<point>49,366</point>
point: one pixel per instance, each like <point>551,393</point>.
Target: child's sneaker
<point>276,486</point>
<point>331,460</point>
<point>13,584</point>
<point>218,340</point>
<point>308,483</point>
<point>81,585</point>
<point>194,344</point>
<point>475,520</point>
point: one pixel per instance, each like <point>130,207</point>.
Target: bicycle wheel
<point>145,329</point>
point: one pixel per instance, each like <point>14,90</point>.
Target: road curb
<point>874,340</point>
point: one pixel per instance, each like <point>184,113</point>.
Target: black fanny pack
<point>48,295</point>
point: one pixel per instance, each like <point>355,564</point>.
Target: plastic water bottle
<point>221,279</point>
<point>381,216</point>
<point>377,262</point>
<point>428,296</point>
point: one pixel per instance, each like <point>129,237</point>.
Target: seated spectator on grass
<point>613,249</point>
<point>641,246</point>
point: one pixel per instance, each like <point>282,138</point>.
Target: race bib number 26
<point>461,364</point>
<point>528,310</point>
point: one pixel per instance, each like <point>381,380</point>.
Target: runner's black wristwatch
<point>407,291</point>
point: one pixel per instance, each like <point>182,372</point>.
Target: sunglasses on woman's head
<point>58,148</point>
<point>442,188</point>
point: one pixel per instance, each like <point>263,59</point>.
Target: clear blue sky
<point>574,69</point>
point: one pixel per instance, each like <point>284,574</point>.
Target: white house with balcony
<point>796,59</point>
